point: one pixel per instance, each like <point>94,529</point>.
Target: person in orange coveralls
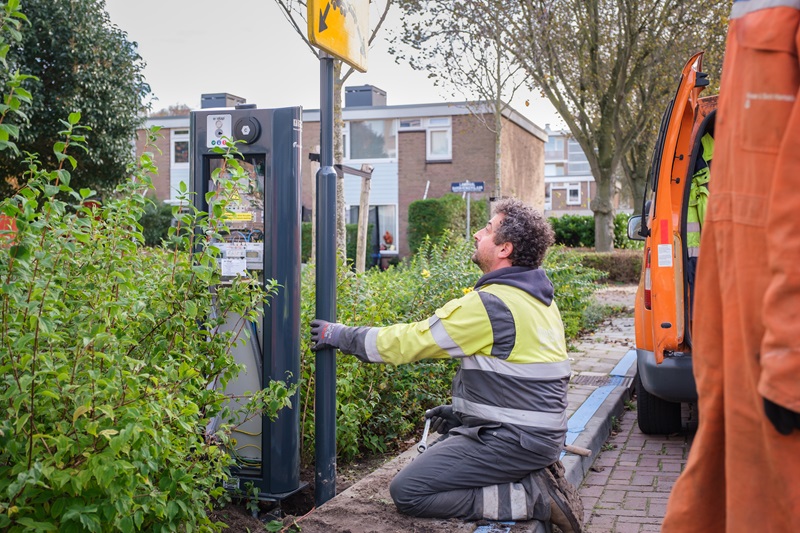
<point>743,472</point>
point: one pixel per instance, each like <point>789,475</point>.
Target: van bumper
<point>672,380</point>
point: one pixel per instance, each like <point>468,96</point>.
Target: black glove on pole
<point>784,420</point>
<point>325,334</point>
<point>443,419</point>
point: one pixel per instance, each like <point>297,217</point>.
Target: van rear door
<point>666,245</point>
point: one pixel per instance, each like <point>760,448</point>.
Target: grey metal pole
<point>325,372</point>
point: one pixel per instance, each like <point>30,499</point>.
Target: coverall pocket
<point>766,101</point>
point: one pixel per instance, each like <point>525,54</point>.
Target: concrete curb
<point>597,431</point>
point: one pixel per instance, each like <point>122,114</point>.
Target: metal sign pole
<point>325,372</point>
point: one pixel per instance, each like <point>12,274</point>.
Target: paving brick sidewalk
<point>627,488</point>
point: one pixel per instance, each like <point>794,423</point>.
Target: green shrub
<point>380,406</point>
<point>574,231</point>
<point>155,221</point>
<point>108,353</point>
<point>435,216</point>
<point>619,266</point>
<point>574,285</point>
<point>352,243</point>
<point>577,231</point>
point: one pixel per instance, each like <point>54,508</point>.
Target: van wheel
<point>656,416</point>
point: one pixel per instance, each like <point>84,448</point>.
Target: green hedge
<point>352,242</point>
<point>435,216</point>
<point>156,221</point>
<point>619,266</point>
<point>577,231</point>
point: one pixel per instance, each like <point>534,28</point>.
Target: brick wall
<point>522,159</point>
<point>161,160</point>
<point>473,160</point>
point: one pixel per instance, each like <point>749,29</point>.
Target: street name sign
<point>467,186</point>
<point>341,28</point>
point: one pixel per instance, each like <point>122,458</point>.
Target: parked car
<point>662,316</point>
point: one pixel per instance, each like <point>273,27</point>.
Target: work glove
<point>784,420</point>
<point>325,334</point>
<point>443,419</point>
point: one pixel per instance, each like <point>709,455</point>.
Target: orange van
<point>663,318</point>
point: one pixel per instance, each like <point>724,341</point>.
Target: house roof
<point>446,109</point>
<point>390,112</point>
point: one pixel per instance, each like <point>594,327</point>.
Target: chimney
<point>211,100</point>
<point>364,96</point>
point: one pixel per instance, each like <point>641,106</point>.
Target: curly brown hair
<point>526,229</point>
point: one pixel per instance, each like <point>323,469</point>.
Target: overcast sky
<point>248,48</point>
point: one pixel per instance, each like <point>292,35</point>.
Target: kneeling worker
<point>507,424</point>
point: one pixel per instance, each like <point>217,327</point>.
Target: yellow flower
<point>426,274</point>
<point>467,290</point>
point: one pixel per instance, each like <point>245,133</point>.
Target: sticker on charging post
<point>665,255</point>
<point>217,127</point>
<point>233,267</point>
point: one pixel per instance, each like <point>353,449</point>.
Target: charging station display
<point>262,214</point>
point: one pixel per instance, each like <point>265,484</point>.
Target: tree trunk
<point>603,214</point>
<point>498,163</point>
<point>338,156</point>
<point>363,222</point>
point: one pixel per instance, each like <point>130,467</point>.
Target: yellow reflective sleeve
<point>406,343</point>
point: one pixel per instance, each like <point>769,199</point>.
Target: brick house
<point>416,151</point>
<point>568,181</point>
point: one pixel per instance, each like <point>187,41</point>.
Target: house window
<point>179,164</point>
<point>439,139</point>
<point>548,198</point>
<point>578,164</point>
<point>574,194</point>
<point>554,169</point>
<point>554,144</point>
<point>410,124</point>
<point>372,139</point>
<point>383,225</point>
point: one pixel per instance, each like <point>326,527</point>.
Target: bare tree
<point>601,64</point>
<point>462,57</point>
<point>296,13</point>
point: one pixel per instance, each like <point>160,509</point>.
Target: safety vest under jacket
<point>698,199</point>
<point>514,366</point>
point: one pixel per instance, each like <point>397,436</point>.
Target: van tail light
<point>648,282</point>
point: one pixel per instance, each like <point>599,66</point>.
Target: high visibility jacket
<point>698,198</point>
<point>509,337</point>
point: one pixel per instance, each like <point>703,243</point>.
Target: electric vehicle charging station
<point>263,238</point>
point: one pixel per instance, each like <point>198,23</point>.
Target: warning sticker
<point>239,216</point>
<point>665,255</point>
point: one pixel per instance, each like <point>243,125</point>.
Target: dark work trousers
<point>479,476</point>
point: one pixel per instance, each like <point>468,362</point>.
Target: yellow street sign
<point>341,28</point>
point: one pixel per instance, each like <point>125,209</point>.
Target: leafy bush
<point>577,231</point>
<point>108,353</point>
<point>435,216</point>
<point>380,406</point>
<point>156,220</point>
<point>620,266</point>
<point>352,243</point>
<point>574,285</point>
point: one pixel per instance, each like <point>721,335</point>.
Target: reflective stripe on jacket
<point>514,366</point>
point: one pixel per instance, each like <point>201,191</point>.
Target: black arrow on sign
<point>323,16</point>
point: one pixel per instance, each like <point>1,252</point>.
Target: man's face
<point>486,251</point>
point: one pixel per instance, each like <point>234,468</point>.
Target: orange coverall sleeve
<point>780,348</point>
